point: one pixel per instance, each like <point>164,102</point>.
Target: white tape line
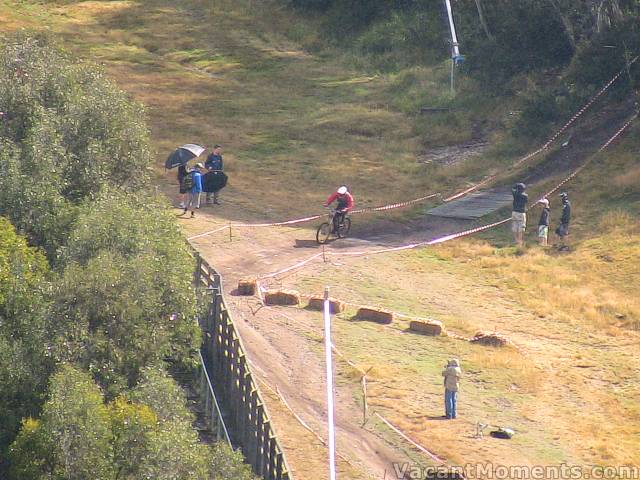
<point>431,455</point>
<point>207,233</point>
<point>293,267</point>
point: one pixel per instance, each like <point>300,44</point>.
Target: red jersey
<point>345,202</point>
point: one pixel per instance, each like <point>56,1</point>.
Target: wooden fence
<point>239,411</point>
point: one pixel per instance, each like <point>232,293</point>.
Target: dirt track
<point>284,345</point>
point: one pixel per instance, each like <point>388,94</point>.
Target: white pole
<point>330,402</point>
<point>454,37</point>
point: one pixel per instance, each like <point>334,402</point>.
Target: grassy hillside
<point>296,122</point>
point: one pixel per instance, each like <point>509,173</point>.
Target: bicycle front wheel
<point>343,231</point>
<point>323,233</point>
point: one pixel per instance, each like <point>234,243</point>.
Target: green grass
<point>294,125</point>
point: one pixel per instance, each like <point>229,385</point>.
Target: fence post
<point>272,457</point>
<point>197,277</point>
<point>226,368</point>
<point>266,450</point>
<point>258,467</point>
<point>253,428</point>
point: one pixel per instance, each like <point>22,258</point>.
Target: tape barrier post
<point>330,396</point>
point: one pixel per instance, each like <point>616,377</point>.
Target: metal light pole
<point>330,397</point>
<point>455,50</point>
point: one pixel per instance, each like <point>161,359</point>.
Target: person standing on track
<point>563,230</point>
<point>196,189</point>
<point>543,223</point>
<point>519,215</point>
<point>452,374</point>
<point>214,163</point>
<point>345,205</point>
<point>182,173</point>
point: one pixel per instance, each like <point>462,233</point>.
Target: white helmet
<point>342,190</point>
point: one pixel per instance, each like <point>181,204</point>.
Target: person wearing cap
<point>345,205</point>
<point>563,229</point>
<point>543,223</point>
<point>214,163</point>
<point>452,374</point>
<point>519,212</point>
<point>193,201</point>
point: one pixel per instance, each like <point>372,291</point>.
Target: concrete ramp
<point>474,205</point>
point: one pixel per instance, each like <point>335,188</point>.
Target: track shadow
<point>437,417</point>
<point>306,244</point>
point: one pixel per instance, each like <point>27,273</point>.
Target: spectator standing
<point>452,374</point>
<point>214,163</point>
<point>518,214</point>
<point>543,223</point>
<point>193,201</point>
<point>563,230</point>
<point>182,173</point>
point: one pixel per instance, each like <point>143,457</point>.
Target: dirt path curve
<point>286,351</point>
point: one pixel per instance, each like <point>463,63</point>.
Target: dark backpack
<point>187,182</point>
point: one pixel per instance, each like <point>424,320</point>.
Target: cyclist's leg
<point>337,220</point>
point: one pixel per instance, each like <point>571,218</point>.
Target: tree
<point>25,362</point>
<point>72,441</point>
<point>176,450</point>
<point>68,132</point>
<point>125,300</point>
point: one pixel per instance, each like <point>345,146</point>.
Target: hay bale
<point>427,327</point>
<point>247,287</point>
<point>372,314</point>
<point>282,297</point>
<point>493,339</point>
<point>317,303</point>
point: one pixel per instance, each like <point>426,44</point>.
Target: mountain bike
<point>325,230</point>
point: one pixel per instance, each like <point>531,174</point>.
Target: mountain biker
<point>345,205</point>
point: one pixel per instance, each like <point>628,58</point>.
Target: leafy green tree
<point>177,451</point>
<point>125,299</point>
<point>67,132</point>
<point>72,441</point>
<point>133,426</point>
<point>228,464</point>
<point>25,362</point>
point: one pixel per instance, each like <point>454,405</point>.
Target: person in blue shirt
<point>193,202</point>
<point>214,163</point>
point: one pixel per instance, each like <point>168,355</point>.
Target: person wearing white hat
<point>345,205</point>
<point>543,224</point>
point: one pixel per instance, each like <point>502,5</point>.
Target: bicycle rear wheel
<point>343,231</point>
<point>323,233</point>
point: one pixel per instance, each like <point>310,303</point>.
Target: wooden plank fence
<point>239,414</point>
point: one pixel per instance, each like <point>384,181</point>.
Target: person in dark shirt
<point>214,163</point>
<point>518,214</point>
<point>563,230</point>
<point>543,223</point>
<point>182,172</point>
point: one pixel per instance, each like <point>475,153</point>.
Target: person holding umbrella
<point>179,158</point>
<point>182,173</point>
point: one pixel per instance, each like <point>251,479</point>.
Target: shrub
<point>67,133</point>
<point>24,331</point>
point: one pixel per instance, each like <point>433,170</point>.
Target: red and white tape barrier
<point>455,196</point>
<point>552,139</point>
<point>394,205</point>
<point>573,174</point>
<point>453,236</point>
